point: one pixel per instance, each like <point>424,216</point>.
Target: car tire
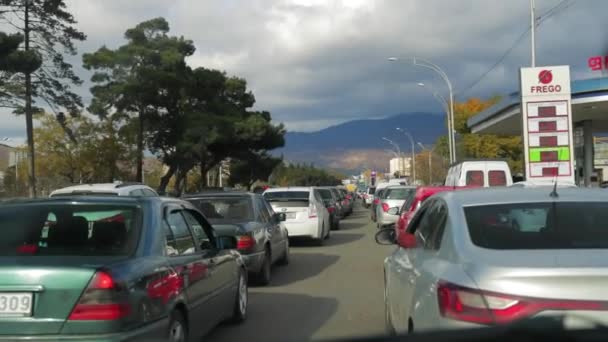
<point>264,276</point>
<point>178,329</point>
<point>239,312</point>
<point>328,234</point>
<point>319,241</point>
<point>338,225</point>
<point>285,258</point>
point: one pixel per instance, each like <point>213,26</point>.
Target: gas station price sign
<point>547,124</point>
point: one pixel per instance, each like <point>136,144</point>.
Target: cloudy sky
<point>315,63</point>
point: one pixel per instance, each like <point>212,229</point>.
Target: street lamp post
<point>396,146</point>
<point>430,65</point>
<point>413,152</point>
<point>446,107</point>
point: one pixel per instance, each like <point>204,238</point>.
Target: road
<point>332,291</point>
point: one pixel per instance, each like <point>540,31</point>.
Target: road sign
<point>547,124</point>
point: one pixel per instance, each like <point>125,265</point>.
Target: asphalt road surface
<point>328,292</point>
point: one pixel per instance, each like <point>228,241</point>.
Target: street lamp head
<point>420,84</point>
<point>398,128</point>
<point>393,59</point>
<point>420,144</point>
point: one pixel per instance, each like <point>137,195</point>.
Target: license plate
<point>290,215</point>
<point>16,303</point>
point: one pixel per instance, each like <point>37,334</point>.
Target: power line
<point>560,7</point>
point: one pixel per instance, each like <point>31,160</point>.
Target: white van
<point>484,173</point>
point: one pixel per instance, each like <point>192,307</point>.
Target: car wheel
<point>319,241</point>
<point>328,234</point>
<point>285,258</point>
<point>390,330</point>
<point>239,313</point>
<point>178,331</point>
<point>338,225</point>
<point>264,274</point>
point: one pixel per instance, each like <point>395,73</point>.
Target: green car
<point>115,269</point>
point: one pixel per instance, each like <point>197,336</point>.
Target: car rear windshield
<point>325,194</point>
<point>398,194</point>
<point>287,195</point>
<point>68,229</point>
<point>552,225</point>
<point>225,209</point>
<point>371,191</point>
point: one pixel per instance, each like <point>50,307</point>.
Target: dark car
<point>331,203</point>
<point>348,200</point>
<point>114,269</point>
<point>261,238</point>
<point>343,210</point>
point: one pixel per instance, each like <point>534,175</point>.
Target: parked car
<point>377,197</point>
<point>107,189</point>
<point>466,261</point>
<point>368,197</point>
<point>261,238</point>
<point>332,205</point>
<point>348,200</point>
<point>393,196</point>
<point>410,206</point>
<point>86,268</point>
<point>484,173</point>
<point>340,207</point>
<point>306,215</point>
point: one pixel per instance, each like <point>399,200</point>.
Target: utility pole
<point>533,32</point>
<point>29,125</point>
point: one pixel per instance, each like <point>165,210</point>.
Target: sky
<point>317,63</point>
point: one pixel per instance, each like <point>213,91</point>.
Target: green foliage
<point>52,34</point>
<point>302,175</point>
<point>251,168</point>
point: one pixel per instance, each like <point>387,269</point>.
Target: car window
<point>417,220</point>
<point>497,178</point>
<point>225,209</point>
<point>550,225</point>
<point>182,242</point>
<point>438,215</point>
<point>136,193</point>
<point>474,178</point>
<point>198,230</point>
<point>149,193</point>
<point>66,229</point>
<point>263,214</point>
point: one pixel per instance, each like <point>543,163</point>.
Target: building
<point>589,107</point>
<point>402,166</point>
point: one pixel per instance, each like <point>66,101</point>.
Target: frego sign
<point>547,124</point>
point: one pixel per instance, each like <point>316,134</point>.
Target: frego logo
<point>545,77</point>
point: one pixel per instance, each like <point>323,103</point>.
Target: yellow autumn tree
<point>484,146</point>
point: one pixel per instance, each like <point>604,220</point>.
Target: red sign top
<point>545,77</point>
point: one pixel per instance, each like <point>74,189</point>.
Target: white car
<point>107,189</point>
<point>305,212</point>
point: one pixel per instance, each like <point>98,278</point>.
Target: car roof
<point>220,194</point>
<point>105,187</point>
<point>294,188</point>
<point>498,195</point>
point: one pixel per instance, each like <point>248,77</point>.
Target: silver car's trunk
<point>577,274</point>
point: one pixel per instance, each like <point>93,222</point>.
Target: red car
<point>409,207</point>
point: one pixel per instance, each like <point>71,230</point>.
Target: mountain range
<point>354,145</point>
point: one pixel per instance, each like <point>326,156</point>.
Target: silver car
<point>474,258</point>
<point>391,197</point>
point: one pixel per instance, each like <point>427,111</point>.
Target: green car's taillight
<point>99,302</point>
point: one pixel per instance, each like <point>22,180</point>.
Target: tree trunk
<point>29,124</point>
<point>140,147</point>
<point>164,180</point>
<point>204,171</point>
<point>180,182</point>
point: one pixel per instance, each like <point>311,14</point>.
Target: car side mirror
<point>385,236</point>
<point>225,242</point>
<point>393,211</point>
<point>280,217</point>
<point>406,240</point>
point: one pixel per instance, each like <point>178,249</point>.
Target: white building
<point>401,165</point>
